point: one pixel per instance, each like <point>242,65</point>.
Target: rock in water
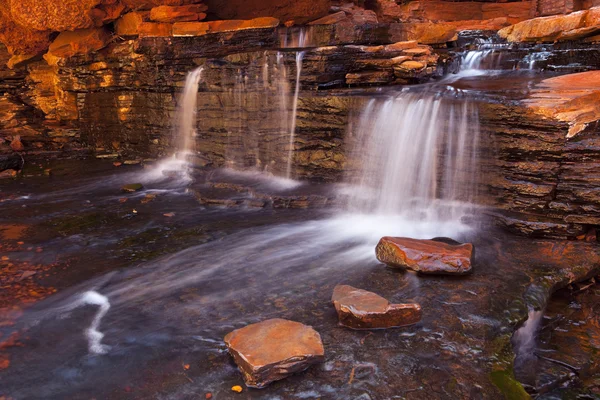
<point>360,309</point>
<point>273,349</point>
<point>425,256</point>
<point>132,187</point>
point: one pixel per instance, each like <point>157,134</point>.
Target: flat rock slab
<point>425,256</point>
<point>273,349</point>
<point>361,309</point>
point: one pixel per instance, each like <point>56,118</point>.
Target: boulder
<point>193,12</point>
<point>577,25</point>
<point>83,41</point>
<point>425,256</point>
<point>274,349</point>
<point>129,24</point>
<point>360,309</point>
<point>298,11</point>
<point>423,32</point>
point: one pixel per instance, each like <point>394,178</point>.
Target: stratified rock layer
<point>361,309</point>
<point>300,11</point>
<point>425,256</point>
<point>273,349</point>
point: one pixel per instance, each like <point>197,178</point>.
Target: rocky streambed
<point>169,313</point>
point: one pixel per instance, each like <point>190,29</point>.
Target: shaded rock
<point>274,349</point>
<point>132,187</point>
<point>300,11</point>
<point>329,19</point>
<point>360,309</point>
<point>372,77</point>
<point>11,161</point>
<point>425,256</point>
<point>193,12</point>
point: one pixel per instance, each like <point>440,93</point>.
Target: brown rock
<point>426,256</point>
<point>152,29</point>
<point>398,46</point>
<point>194,12</point>
<point>129,24</point>
<point>273,349</point>
<point>360,309</point>
<point>371,77</point>
<point>190,28</point>
<point>572,26</point>
<point>236,25</point>
<point>493,24</point>
<point>299,11</point>
<point>16,144</point>
<point>424,32</point>
<point>411,66</point>
<point>329,19</point>
<point>83,41</point>
<point>417,51</point>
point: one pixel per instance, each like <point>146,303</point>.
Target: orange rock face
<point>425,256</point>
<point>572,26</point>
<point>188,13</point>
<point>299,11</point>
<point>573,98</point>
<point>360,309</point>
<point>83,41</point>
<point>273,349</point>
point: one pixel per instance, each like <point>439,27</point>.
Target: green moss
<point>508,385</point>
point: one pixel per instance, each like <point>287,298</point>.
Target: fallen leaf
<point>122,199</point>
<point>208,396</point>
<point>171,214</point>
<point>117,164</point>
<point>186,366</point>
<point>237,389</point>
<point>5,258</point>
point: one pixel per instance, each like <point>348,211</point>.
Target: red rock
<point>190,28</point>
<point>299,11</point>
<point>572,26</point>
<point>360,309</point>
<point>572,98</point>
<point>236,25</point>
<point>329,19</point>
<point>129,24</point>
<point>155,29</point>
<point>194,12</point>
<point>83,41</point>
<point>425,256</point>
<point>493,24</point>
<point>273,349</point>
<point>16,144</point>
<point>398,46</point>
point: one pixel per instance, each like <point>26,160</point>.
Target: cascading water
<point>418,157</point>
<point>299,58</point>
<point>184,130</point>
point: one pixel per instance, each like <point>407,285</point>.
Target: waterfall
<point>184,129</point>
<point>486,56</point>
<point>416,155</point>
<point>299,58</point>
<point>186,114</point>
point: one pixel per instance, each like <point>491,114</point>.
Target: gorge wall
<point>107,87</point>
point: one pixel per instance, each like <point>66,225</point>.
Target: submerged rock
<point>132,187</point>
<point>360,309</point>
<point>273,349</point>
<point>425,256</point>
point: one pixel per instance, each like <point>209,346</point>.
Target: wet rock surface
<point>361,309</point>
<point>159,328</point>
<point>273,349</point>
<point>425,256</point>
